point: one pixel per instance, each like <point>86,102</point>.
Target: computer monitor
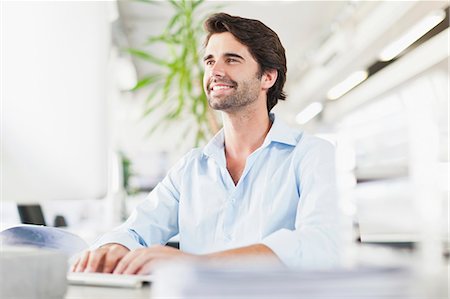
<point>53,96</point>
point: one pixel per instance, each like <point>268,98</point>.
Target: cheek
<point>205,81</point>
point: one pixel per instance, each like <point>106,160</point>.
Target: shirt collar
<point>214,148</point>
<point>279,132</point>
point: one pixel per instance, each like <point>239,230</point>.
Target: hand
<point>142,261</point>
<point>103,259</point>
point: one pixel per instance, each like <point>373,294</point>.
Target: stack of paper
<point>43,237</point>
<point>28,272</point>
<point>201,281</point>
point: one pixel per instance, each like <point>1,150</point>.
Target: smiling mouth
<point>220,87</point>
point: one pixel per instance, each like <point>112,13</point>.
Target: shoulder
<point>177,172</point>
<point>313,147</point>
<point>194,156</point>
<point>310,142</point>
<point>301,141</point>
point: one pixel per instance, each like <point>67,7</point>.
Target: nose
<point>217,70</point>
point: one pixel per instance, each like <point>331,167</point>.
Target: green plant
<point>176,89</point>
<point>127,172</point>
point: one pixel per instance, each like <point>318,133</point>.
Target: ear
<point>269,78</point>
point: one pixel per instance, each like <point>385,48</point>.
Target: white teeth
<point>220,87</point>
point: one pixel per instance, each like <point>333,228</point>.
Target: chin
<point>215,103</point>
<point>218,106</point>
<point>215,106</point>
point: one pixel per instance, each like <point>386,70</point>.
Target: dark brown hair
<point>262,42</point>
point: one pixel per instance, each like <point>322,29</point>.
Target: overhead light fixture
<point>309,113</point>
<point>416,32</point>
<point>348,84</point>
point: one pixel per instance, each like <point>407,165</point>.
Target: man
<point>258,188</point>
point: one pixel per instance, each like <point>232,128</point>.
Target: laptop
<point>108,280</point>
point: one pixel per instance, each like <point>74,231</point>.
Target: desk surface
<point>90,292</point>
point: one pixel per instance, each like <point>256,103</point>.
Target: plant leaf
<point>156,90</point>
<point>147,80</point>
<point>176,4</point>
<point>149,2</point>
<point>163,38</point>
<point>179,92</point>
<point>173,21</point>
<point>167,84</point>
<point>146,56</point>
<point>149,110</point>
<point>196,3</point>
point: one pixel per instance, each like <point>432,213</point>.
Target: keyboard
<point>108,280</point>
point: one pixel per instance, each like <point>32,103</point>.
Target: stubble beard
<point>244,94</point>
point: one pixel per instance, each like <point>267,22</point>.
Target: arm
<point>154,221</point>
<point>315,240</point>
<point>255,250</point>
<point>142,261</point>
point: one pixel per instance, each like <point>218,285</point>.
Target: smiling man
<point>234,61</point>
<point>258,188</point>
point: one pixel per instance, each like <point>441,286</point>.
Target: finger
<point>81,266</point>
<point>152,264</point>
<point>147,268</point>
<point>95,260</point>
<point>74,265</point>
<point>114,255</point>
<point>110,263</point>
<point>138,262</point>
<point>123,263</point>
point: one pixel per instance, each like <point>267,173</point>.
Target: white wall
<point>54,62</point>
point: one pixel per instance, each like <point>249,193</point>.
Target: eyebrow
<point>229,54</point>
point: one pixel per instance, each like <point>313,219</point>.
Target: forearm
<point>256,250</point>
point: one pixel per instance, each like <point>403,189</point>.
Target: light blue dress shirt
<point>286,199</point>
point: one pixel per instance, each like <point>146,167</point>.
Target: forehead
<point>225,42</point>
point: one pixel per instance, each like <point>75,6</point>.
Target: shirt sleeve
<point>315,240</point>
<point>155,219</point>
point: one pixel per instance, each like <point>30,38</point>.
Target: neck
<point>245,130</point>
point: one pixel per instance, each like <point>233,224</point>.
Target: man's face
<point>231,79</point>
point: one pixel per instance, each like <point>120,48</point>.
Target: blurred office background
<point>370,76</point>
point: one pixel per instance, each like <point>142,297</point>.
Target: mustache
<point>223,80</point>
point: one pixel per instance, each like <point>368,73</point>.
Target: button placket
<point>230,216</point>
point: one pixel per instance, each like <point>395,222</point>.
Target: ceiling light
<point>348,84</point>
<point>416,32</point>
<point>309,113</point>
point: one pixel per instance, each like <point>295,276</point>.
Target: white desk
<point>436,287</point>
<point>90,292</point>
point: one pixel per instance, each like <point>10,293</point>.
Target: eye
<point>209,62</point>
<point>232,60</point>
